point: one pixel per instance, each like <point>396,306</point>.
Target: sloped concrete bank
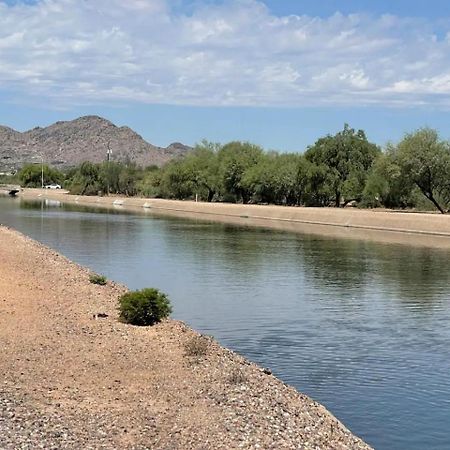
<point>72,380</point>
<point>386,226</point>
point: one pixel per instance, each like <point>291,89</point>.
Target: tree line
<point>337,170</point>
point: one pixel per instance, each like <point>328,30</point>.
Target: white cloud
<point>233,53</point>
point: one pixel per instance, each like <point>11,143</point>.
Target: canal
<point>362,327</point>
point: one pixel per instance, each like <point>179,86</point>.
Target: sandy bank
<point>385,226</point>
<point>73,381</point>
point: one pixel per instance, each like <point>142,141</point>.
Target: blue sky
<point>280,73</point>
<point>323,8</point>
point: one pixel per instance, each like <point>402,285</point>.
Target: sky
<point>279,73</point>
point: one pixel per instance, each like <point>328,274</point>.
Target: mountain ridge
<point>66,144</point>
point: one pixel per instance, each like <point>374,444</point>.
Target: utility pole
<point>42,172</point>
<point>108,158</point>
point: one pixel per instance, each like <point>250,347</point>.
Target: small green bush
<point>98,279</point>
<point>145,307</point>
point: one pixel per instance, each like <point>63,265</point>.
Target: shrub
<point>237,376</point>
<point>145,307</point>
<point>97,279</point>
<point>197,346</point>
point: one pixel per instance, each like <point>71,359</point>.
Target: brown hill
<point>66,144</point>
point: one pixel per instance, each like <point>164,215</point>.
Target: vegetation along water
<point>337,170</point>
<point>362,327</point>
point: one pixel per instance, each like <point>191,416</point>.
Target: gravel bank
<point>72,380</point>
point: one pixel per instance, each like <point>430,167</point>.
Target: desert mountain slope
<point>88,138</point>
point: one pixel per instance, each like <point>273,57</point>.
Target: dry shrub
<point>197,346</point>
<point>237,376</point>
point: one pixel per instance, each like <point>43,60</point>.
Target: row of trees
<point>333,171</point>
<point>87,178</point>
<point>336,170</point>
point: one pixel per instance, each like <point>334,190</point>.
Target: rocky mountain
<point>89,138</point>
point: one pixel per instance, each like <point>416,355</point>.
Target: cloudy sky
<point>280,73</point>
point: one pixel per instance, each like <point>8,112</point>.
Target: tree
<point>277,178</point>
<point>386,185</point>
<point>176,181</point>
<point>347,157</point>
<point>150,185</point>
<point>31,175</point>
<point>109,176</point>
<point>129,176</point>
<point>234,159</point>
<point>84,179</point>
<point>424,160</point>
<point>202,164</point>
<point>319,187</point>
<point>258,180</point>
<point>293,170</point>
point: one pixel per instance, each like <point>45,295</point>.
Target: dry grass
<point>237,376</point>
<point>197,346</point>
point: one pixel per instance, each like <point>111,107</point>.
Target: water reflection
<point>413,274</point>
<point>90,230</point>
<point>418,276</point>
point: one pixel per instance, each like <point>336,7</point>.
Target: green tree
<point>129,176</point>
<point>109,176</point>
<point>150,184</point>
<point>259,180</point>
<point>84,179</point>
<point>291,178</point>
<point>235,158</point>
<point>277,178</point>
<point>176,181</point>
<point>31,175</point>
<point>387,186</point>
<point>424,160</point>
<point>319,189</point>
<point>202,166</point>
<point>347,157</point>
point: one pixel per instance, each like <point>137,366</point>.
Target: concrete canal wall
<point>402,227</point>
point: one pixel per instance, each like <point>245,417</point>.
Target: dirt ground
<point>71,380</point>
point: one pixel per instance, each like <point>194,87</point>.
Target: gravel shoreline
<point>73,380</point>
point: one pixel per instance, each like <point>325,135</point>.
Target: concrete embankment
<point>72,380</point>
<point>386,226</point>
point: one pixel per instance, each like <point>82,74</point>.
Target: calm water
<point>364,328</point>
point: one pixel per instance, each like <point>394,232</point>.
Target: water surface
<point>362,327</point>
